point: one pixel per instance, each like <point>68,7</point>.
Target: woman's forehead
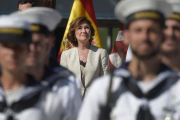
<point>83,23</point>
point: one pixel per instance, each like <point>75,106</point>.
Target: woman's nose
<point>83,30</point>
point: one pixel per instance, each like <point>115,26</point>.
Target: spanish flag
<point>80,8</point>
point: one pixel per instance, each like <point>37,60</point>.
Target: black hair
<point>32,2</point>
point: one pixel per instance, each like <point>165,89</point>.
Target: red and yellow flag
<point>80,8</point>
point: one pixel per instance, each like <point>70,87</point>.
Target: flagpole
<point>109,39</point>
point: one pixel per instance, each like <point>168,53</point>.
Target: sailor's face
<point>83,32</point>
<point>171,43</point>
<point>24,6</point>
<point>13,56</point>
<point>144,36</point>
<point>38,50</point>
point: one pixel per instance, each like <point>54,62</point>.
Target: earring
<point>75,39</point>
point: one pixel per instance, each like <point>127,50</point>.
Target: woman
<point>85,60</point>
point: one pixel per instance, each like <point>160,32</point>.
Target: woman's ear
<point>126,37</point>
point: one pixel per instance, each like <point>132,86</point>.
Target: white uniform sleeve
<point>71,99</point>
<point>64,102</point>
<point>75,100</point>
<point>176,100</point>
<point>96,97</point>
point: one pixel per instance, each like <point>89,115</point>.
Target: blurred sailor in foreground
<point>144,88</point>
<point>25,4</point>
<point>64,83</point>
<point>170,49</point>
<point>22,97</point>
<point>44,21</point>
<point>15,36</point>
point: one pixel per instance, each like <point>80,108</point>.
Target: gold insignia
<point>175,16</point>
<point>152,15</point>
<point>35,28</point>
<point>12,31</point>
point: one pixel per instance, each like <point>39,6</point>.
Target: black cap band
<point>175,16</point>
<point>154,15</point>
<point>40,29</point>
<point>14,35</point>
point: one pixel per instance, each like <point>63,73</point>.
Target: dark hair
<point>32,2</point>
<point>73,25</point>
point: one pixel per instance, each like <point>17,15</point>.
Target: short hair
<point>73,25</point>
<point>32,2</point>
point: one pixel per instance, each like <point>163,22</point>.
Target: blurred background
<point>108,25</point>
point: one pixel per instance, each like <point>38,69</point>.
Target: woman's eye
<point>87,28</point>
<point>79,28</point>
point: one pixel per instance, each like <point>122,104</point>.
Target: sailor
<point>170,48</point>
<point>144,88</point>
<point>19,92</point>
<point>60,80</point>
<point>43,23</point>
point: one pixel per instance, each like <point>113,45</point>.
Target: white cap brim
<point>41,15</point>
<point>127,7</point>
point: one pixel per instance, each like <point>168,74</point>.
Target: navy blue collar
<point>53,63</point>
<point>30,81</point>
<point>48,71</point>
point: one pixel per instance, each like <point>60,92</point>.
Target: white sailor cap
<point>14,29</point>
<point>43,19</point>
<point>129,10</point>
<point>175,9</point>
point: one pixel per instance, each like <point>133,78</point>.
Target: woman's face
<point>83,32</point>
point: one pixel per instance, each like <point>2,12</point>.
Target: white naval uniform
<point>59,101</point>
<point>127,104</point>
<point>68,88</point>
